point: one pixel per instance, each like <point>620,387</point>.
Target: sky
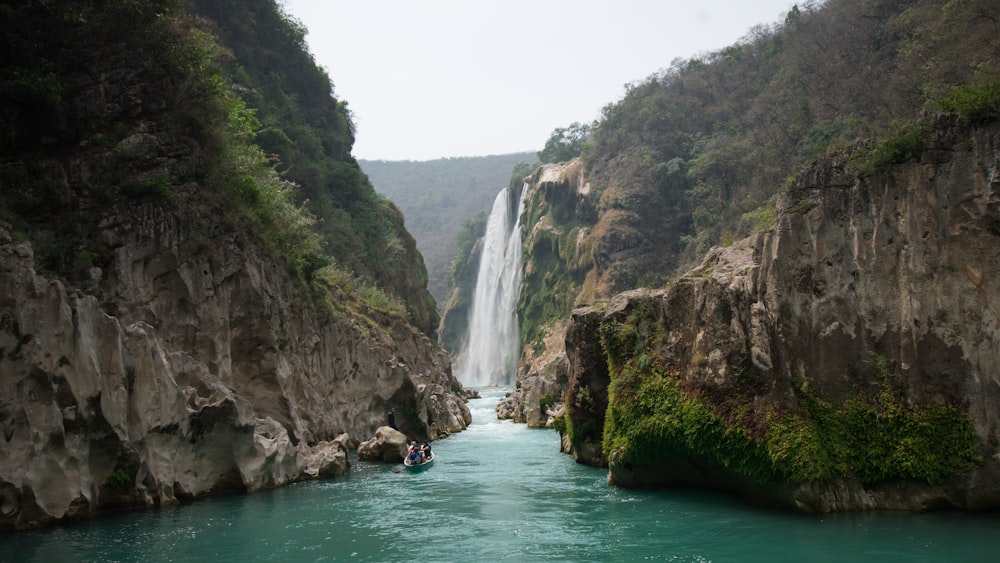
<point>447,78</point>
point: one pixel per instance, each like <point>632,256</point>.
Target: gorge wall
<point>208,372</point>
<point>869,309</point>
<point>163,334</point>
<point>556,233</point>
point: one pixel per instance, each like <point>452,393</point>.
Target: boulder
<point>388,445</point>
<point>325,459</point>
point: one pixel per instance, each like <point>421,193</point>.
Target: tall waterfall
<point>494,337</point>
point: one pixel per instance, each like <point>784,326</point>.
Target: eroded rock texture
<point>903,265</point>
<point>558,247</point>
<point>201,370</point>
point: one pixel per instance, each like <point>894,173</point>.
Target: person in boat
<point>414,454</point>
<point>425,449</point>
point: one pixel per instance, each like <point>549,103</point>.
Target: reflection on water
<point>500,491</point>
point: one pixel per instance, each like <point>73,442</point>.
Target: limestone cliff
<point>163,333</point>
<point>208,373</point>
<point>831,364</point>
<point>558,259</point>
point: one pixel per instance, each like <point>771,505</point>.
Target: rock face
<point>388,445</point>
<point>205,372</point>
<point>902,266</point>
<point>587,392</point>
<point>557,247</point>
<point>158,342</point>
<point>537,399</point>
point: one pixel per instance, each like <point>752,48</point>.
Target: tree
<point>565,143</point>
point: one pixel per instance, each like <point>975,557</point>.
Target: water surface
<point>500,491</point>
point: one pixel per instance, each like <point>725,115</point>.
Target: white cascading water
<point>494,337</point>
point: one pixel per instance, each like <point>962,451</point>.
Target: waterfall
<point>494,336</point>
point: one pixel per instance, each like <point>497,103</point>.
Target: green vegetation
<point>650,420</point>
<point>546,401</point>
<point>699,153</point>
<point>438,197</point>
<point>228,92</point>
<point>565,143</point>
<point>118,479</point>
<point>462,274</point>
<point>306,135</point>
<point>586,426</point>
<point>352,289</point>
<point>761,218</point>
<point>148,188</point>
<point>241,169</point>
<point>556,266</point>
<point>878,438</point>
<point>559,424</point>
<point>462,271</point>
<point>978,103</point>
<point>686,158</point>
<point>39,85</point>
<point>905,141</point>
<point>653,417</point>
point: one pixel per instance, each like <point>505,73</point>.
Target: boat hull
<point>418,466</point>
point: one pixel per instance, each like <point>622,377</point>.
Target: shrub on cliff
<point>653,418</point>
<point>979,103</point>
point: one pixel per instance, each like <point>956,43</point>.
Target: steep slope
<point>847,360</point>
<point>844,361</point>
<point>700,152</point>
<point>168,328</point>
<point>557,235</point>
<point>307,134</point>
<point>693,155</point>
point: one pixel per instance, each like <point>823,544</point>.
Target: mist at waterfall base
<point>500,491</point>
<point>491,355</point>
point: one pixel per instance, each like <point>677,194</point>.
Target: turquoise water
<point>500,491</point>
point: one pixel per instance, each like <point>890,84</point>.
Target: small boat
<point>422,465</point>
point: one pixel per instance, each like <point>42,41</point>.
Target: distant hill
<point>436,196</point>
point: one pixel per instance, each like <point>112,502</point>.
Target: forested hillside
<point>703,152</point>
<point>438,196</point>
<point>697,153</point>
<point>772,276</point>
<point>200,291</point>
<point>278,142</point>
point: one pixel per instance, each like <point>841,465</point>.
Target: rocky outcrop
<point>388,446</point>
<point>537,399</point>
<point>557,248</point>
<point>900,267</point>
<point>325,459</point>
<point>587,387</point>
<point>172,332</point>
<point>207,372</point>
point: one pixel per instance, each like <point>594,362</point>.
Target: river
<point>500,491</point>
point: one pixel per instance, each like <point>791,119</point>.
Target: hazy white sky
<point>442,78</point>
